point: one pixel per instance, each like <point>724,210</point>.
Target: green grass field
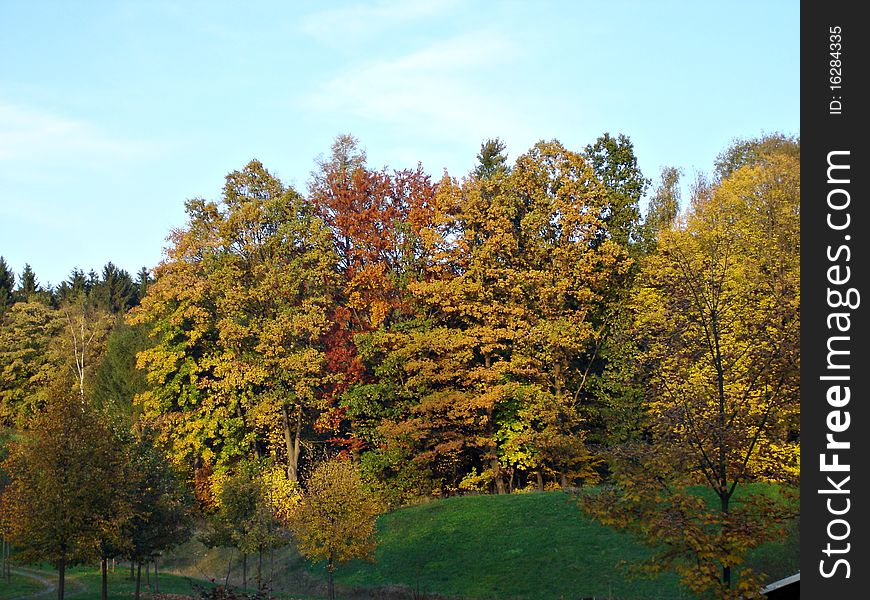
<point>529,546</point>
<point>520,546</point>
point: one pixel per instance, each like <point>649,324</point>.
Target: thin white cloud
<point>363,20</point>
<point>443,91</point>
<point>28,134</point>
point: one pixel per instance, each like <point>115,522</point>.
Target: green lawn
<point>520,546</point>
<point>530,546</point>
<point>534,546</point>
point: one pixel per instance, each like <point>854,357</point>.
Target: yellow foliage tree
<point>337,518</point>
<point>717,311</point>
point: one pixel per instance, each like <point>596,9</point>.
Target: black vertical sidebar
<point>835,227</point>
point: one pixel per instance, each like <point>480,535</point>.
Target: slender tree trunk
<point>540,478</point>
<point>292,442</point>
<point>724,496</point>
<point>229,568</point>
<point>271,569</point>
<point>494,465</point>
<point>138,579</point>
<point>496,472</point>
<point>244,571</point>
<point>104,578</point>
<point>132,569</point>
<point>330,584</point>
<point>148,574</point>
<point>61,574</point>
<point>259,569</point>
<point>156,580</point>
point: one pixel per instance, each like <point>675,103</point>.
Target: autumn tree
<point>247,513</point>
<point>237,314</point>
<point>336,521</point>
<point>717,310</point>
<point>80,344</point>
<point>161,506</point>
<point>484,383</point>
<point>64,475</point>
<point>374,217</point>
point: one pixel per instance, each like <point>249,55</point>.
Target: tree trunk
<point>132,569</point>
<point>330,584</point>
<point>229,568</point>
<point>292,442</point>
<point>61,574</point>
<point>156,580</point>
<point>724,496</point>
<point>496,472</point>
<point>138,580</point>
<point>244,571</point>
<point>260,569</point>
<point>271,569</point>
<point>148,574</point>
<point>540,478</point>
<point>726,569</point>
<point>104,577</point>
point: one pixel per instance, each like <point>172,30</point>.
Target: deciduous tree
<point>237,312</point>
<point>64,475</point>
<point>718,312</point>
<point>337,518</point>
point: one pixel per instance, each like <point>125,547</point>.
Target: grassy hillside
<point>531,546</point>
<point>518,546</point>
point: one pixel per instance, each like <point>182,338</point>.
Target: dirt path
<point>48,580</point>
<point>43,577</point>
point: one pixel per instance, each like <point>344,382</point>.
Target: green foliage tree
<point>717,309</point>
<point>246,517</point>
<point>117,380</point>
<point>615,164</point>
<point>337,518</point>
<point>752,151</point>
<point>663,208</point>
<point>161,505</point>
<point>27,362</point>
<point>7,286</point>
<point>491,160</point>
<point>28,287</point>
<point>115,292</point>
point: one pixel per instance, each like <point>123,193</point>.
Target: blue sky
<point>113,113</point>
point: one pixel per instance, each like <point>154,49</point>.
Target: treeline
<point>59,331</point>
<point>112,289</point>
<point>523,327</point>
